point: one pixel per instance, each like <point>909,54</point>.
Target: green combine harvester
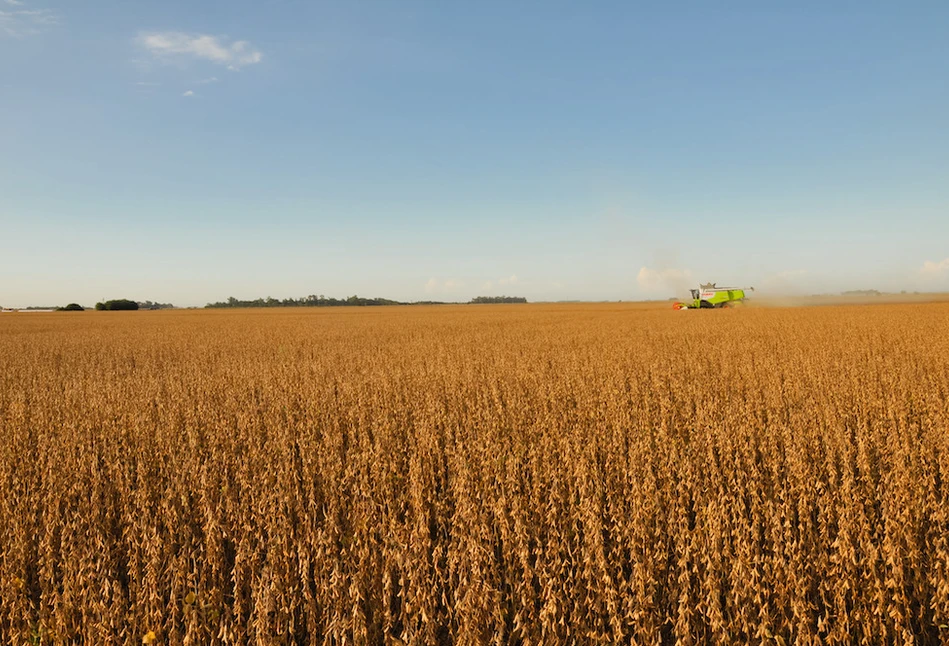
<point>710,296</point>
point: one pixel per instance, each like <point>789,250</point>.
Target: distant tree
<point>306,301</point>
<point>148,305</point>
<point>72,307</point>
<point>117,304</point>
<point>498,299</point>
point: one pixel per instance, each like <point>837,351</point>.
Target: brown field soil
<point>527,474</point>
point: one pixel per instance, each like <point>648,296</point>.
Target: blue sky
<point>190,151</point>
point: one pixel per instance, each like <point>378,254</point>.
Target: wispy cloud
<point>509,280</point>
<point>215,49</point>
<point>188,93</point>
<point>931,268</point>
<point>147,84</point>
<point>436,286</point>
<point>21,21</point>
<point>213,79</point>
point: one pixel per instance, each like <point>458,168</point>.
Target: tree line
<point>307,301</point>
<point>498,299</point>
<point>314,300</point>
<point>117,304</point>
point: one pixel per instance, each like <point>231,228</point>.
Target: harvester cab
<point>710,296</point>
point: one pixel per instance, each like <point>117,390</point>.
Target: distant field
<point>849,299</point>
<point>607,473</point>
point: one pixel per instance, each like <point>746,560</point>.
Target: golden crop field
<point>539,474</point>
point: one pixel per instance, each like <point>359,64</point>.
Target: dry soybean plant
<point>475,475</point>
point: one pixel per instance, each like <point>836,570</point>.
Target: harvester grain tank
<point>710,296</point>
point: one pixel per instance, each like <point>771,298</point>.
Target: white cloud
<point>486,285</point>
<point>931,268</point>
<point>188,93</point>
<point>213,79</point>
<point>147,84</point>
<point>510,280</point>
<point>26,22</point>
<point>658,280</point>
<point>215,49</point>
